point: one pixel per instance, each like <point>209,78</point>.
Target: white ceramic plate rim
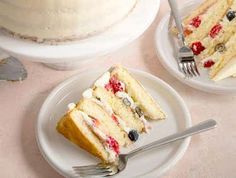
<point>207,87</point>
<point>179,153</point>
<point>114,38</point>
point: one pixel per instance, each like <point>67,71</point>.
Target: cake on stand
<point>71,55</point>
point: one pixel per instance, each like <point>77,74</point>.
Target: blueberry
<point>133,135</point>
<point>220,47</point>
<point>230,15</point>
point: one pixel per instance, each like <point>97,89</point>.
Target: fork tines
<point>188,66</point>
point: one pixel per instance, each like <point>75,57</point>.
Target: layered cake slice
<point>114,112</point>
<point>211,36</point>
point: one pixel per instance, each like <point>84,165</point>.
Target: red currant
<point>208,63</point>
<point>196,22</point>
<point>215,30</point>
<point>197,47</point>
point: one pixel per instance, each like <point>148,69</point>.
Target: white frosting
<point>88,93</point>
<point>145,123</point>
<point>123,125</point>
<point>59,19</point>
<point>103,80</point>
<point>71,106</point>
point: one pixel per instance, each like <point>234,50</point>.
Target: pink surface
<point>212,154</point>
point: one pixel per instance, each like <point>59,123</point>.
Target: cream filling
<point>98,132</point>
<point>103,80</point>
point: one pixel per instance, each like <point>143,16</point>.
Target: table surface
<point>212,154</point>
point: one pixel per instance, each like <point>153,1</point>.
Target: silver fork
<point>185,57</point>
<point>104,170</point>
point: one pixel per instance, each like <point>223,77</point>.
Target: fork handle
<point>201,127</point>
<point>178,22</point>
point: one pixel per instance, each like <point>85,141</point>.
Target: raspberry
<point>208,63</point>
<point>196,22</point>
<point>113,144</point>
<point>197,47</point>
<point>114,85</point>
<point>215,30</point>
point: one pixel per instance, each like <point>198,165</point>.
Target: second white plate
<point>166,51</point>
<point>62,154</point>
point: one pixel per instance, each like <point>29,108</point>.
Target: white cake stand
<point>72,55</point>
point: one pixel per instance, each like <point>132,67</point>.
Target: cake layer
<point>73,127</point>
<point>61,19</point>
<point>229,70</point>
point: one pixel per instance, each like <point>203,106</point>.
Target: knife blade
<point>11,69</point>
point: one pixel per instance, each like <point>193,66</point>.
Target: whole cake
<point>60,20</point>
<point>110,115</point>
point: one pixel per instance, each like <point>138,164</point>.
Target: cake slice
<point>210,32</point>
<point>111,114</point>
<point>81,129</point>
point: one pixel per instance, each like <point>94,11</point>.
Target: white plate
<point>62,154</point>
<point>165,46</point>
<point>119,35</point>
